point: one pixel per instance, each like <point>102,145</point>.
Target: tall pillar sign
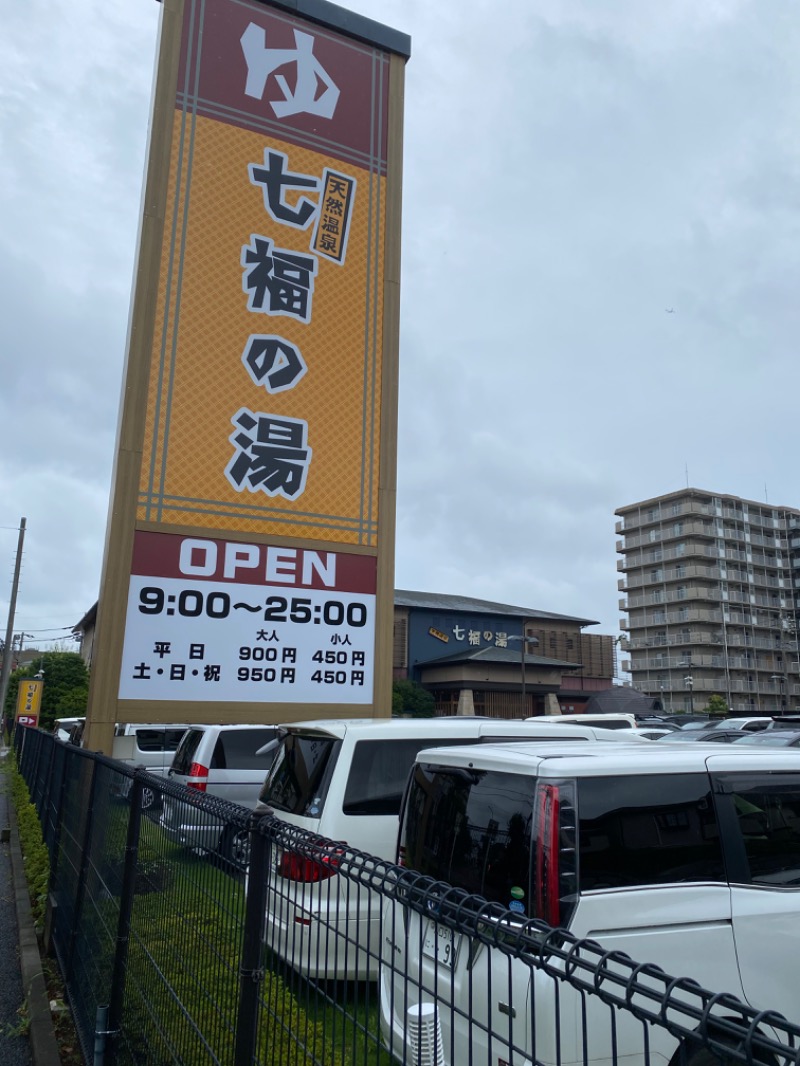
<point>248,572</point>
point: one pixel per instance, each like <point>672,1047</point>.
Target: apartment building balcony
<point>673,531</point>
<point>769,560</point>
<point>689,572</point>
<point>671,662</point>
<point>750,619</point>
<point>764,688</point>
<point>742,640</point>
<point>671,640</point>
<point>759,540</point>
<point>685,595</point>
<point>680,617</point>
<point>699,684</point>
<point>662,516</point>
<point>684,551</point>
<point>697,660</point>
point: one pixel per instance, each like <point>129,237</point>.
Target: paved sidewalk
<point>21,976</point>
<point>14,1046</point>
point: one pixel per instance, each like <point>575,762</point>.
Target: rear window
<point>300,775</point>
<point>472,829</point>
<point>236,749</point>
<point>647,830</point>
<point>184,756</point>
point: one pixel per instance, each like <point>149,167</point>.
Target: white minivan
<point>343,780</point>
<point>685,857</point>
<point>149,746</point>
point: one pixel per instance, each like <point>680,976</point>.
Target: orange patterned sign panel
<point>265,377</point>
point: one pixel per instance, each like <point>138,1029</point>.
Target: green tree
<point>717,706</point>
<point>411,699</point>
<point>65,690</point>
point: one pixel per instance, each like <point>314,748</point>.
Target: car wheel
<point>234,847</point>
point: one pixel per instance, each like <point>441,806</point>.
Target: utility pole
<point>12,606</point>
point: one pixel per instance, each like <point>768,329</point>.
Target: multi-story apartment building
<point>709,583</point>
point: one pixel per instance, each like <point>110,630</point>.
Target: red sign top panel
<point>252,66</point>
<point>193,559</point>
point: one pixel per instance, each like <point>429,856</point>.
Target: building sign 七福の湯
<point>264,397</point>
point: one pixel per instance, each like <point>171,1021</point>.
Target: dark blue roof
<point>440,601</point>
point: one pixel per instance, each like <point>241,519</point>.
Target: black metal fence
<point>189,932</point>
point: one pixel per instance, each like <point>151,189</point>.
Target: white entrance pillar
<point>466,704</point>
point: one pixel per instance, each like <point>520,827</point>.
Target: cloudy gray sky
<point>573,168</point>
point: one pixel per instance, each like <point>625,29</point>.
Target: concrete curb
<point>42,1036</point>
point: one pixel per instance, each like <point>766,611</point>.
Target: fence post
<point>35,775</point>
<point>80,890</point>
<point>53,841</point>
<point>251,972</point>
<point>58,818</point>
<point>48,786</point>
<point>116,999</point>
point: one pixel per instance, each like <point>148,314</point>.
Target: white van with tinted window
<point>149,746</point>
<point>688,858</point>
<point>343,780</point>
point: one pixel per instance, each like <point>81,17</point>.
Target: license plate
<point>440,944</point>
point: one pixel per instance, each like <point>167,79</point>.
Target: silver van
<point>229,761</point>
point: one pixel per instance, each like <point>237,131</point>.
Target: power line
<point>52,629</point>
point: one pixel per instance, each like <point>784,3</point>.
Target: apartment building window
<point>659,616</point>
<point>683,614</point>
<point>654,534</point>
<point>657,575</point>
<point>676,508</point>
<point>680,570</point>
<point>686,636</point>
<point>680,549</point>
<point>677,529</point>
<point>657,596</point>
<point>652,514</point>
<point>683,592</point>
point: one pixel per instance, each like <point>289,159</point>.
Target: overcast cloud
<point>573,169</point>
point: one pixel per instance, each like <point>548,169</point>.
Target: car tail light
<point>197,772</point>
<point>307,871</point>
<point>547,856</point>
<point>401,855</point>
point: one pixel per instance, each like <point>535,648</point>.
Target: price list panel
<point>212,620</point>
